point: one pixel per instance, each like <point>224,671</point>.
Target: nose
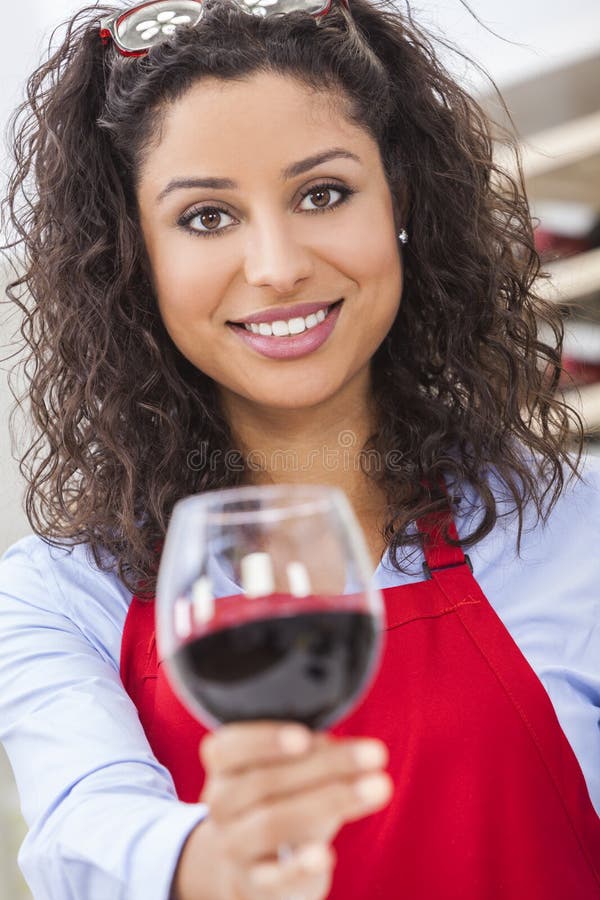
<point>275,257</point>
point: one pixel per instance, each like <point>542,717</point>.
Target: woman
<point>350,183</point>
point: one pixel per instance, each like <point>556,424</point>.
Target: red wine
<point>308,667</point>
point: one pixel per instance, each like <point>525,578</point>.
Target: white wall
<point>545,35</point>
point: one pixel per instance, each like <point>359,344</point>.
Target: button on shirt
<point>104,820</point>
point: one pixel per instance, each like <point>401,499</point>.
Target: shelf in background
<point>561,163</point>
<point>586,400</point>
<point>572,279</point>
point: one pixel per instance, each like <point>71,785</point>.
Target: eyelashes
<point>193,213</point>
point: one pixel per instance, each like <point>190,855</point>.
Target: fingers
<point>315,814</point>
<point>307,873</point>
<point>230,795</point>
<point>242,745</point>
<point>273,784</point>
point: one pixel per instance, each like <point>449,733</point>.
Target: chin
<point>289,402</point>
<point>292,396</point>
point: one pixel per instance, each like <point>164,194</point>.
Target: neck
<point>316,445</point>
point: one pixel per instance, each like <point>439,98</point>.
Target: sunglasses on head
<point>135,30</point>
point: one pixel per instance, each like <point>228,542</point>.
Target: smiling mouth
<point>290,327</point>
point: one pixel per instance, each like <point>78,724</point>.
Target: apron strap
<point>439,554</point>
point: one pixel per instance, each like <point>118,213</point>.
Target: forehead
<point>266,118</point>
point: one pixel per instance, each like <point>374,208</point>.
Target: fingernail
<point>313,857</point>
<point>373,788</point>
<point>294,739</point>
<point>370,754</point>
<point>265,875</point>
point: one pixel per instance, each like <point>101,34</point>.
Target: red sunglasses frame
<point>109,26</point>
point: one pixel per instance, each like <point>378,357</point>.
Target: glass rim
<point>311,500</point>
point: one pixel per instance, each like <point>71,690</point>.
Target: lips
<point>284,313</point>
<point>292,346</point>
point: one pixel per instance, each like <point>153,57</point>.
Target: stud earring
<point>403,236</point>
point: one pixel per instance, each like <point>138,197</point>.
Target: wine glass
<point>265,608</point>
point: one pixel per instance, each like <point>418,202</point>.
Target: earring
<point>403,236</point>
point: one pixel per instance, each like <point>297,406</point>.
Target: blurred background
<point>545,58</point>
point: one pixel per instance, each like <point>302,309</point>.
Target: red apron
<point>490,802</point>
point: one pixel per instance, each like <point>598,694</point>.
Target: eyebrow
<point>291,171</point>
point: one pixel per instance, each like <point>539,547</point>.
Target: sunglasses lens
<point>281,7</point>
<point>151,23</point>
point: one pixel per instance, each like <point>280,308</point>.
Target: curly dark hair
<point>465,381</point>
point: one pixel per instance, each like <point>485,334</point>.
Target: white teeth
<point>280,328</point>
<point>297,326</point>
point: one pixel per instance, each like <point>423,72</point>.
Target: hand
<point>264,792</point>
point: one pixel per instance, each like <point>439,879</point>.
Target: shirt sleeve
<point>104,820</point>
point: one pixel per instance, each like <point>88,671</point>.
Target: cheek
<point>374,262</point>
<point>188,290</point>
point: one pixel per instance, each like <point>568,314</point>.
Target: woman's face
<point>285,230</point>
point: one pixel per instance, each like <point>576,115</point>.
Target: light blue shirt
<point>104,821</point>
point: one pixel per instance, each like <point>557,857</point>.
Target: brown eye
<point>325,197</point>
<point>322,196</point>
<point>210,218</point>
<point>206,221</point>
